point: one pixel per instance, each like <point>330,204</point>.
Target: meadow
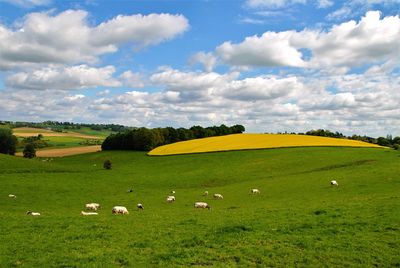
<point>297,220</point>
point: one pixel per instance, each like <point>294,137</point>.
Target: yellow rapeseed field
<point>252,141</point>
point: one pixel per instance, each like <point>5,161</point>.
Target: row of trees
<point>60,126</point>
<point>388,141</point>
<point>144,139</point>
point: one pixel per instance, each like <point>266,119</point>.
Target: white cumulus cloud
<point>270,49</point>
<point>64,78</point>
<point>371,40</point>
<point>67,37</point>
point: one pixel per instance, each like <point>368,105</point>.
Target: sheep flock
<point>91,209</point>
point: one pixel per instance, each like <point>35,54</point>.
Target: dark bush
<point>107,164</point>
<point>29,151</point>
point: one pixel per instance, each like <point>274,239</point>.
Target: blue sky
<point>271,65</point>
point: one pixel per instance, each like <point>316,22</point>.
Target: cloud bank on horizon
<point>271,65</point>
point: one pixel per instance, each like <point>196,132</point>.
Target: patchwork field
<point>26,132</point>
<point>252,141</point>
<point>63,143</point>
<point>297,220</point>
<point>66,151</point>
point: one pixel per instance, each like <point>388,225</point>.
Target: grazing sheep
<point>140,206</point>
<point>119,210</point>
<point>170,198</point>
<point>172,192</point>
<point>130,191</point>
<point>334,183</point>
<point>32,213</point>
<point>201,205</point>
<point>255,191</point>
<point>12,196</point>
<point>205,193</point>
<point>88,213</point>
<point>218,196</point>
<point>92,206</point>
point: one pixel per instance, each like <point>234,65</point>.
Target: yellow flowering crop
<point>252,141</point>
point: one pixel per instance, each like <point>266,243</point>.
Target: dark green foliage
<point>143,139</point>
<point>29,151</point>
<point>389,142</point>
<point>36,141</point>
<point>107,164</point>
<point>383,141</point>
<point>7,141</point>
<point>60,126</point>
<point>325,133</point>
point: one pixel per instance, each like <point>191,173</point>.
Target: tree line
<point>387,141</point>
<point>144,139</point>
<point>60,126</point>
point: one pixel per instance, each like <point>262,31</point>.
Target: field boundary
<point>272,148</point>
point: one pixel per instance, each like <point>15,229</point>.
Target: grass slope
<point>297,220</point>
<point>251,141</point>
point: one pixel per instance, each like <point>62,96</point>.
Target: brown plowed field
<point>66,151</point>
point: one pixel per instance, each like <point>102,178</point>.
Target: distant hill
<point>252,141</point>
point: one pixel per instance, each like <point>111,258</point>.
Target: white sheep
<point>205,193</point>
<point>12,196</point>
<point>32,213</point>
<point>218,196</point>
<point>92,206</point>
<point>172,192</point>
<point>255,191</point>
<point>119,210</point>
<point>88,213</point>
<point>201,205</point>
<point>140,206</point>
<point>170,198</point>
<point>334,183</point>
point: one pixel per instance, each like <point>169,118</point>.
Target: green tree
<point>7,141</point>
<point>29,151</point>
<point>383,141</point>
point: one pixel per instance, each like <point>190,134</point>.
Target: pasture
<point>297,220</point>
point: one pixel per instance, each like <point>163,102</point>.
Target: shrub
<point>29,151</point>
<point>107,164</point>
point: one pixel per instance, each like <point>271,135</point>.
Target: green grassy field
<point>69,141</point>
<point>297,220</point>
<point>88,131</point>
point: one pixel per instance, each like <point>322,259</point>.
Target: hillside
<point>297,220</point>
<point>252,141</point>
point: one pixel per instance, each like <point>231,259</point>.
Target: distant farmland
<point>26,132</point>
<point>58,144</point>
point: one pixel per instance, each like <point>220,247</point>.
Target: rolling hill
<point>252,141</point>
<point>298,220</point>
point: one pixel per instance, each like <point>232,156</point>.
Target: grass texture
<point>298,220</point>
